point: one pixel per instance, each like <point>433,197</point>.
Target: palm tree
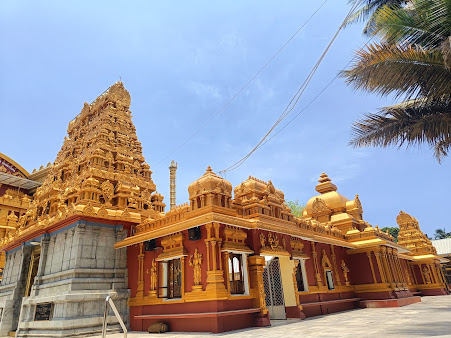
<point>368,9</point>
<point>413,61</point>
<point>441,234</point>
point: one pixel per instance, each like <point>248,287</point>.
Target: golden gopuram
<point>91,225</point>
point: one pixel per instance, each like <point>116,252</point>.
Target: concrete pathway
<point>431,317</point>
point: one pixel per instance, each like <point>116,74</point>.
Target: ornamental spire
<point>99,171</point>
<point>325,184</point>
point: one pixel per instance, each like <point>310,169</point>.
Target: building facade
<point>225,260</point>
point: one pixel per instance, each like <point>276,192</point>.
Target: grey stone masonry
<point>78,269</point>
<point>12,288</point>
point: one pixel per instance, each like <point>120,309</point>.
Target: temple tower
<point>60,258</point>
<point>172,170</point>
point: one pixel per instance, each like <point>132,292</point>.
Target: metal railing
<point>108,300</point>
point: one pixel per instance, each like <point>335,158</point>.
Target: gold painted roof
<point>210,183</point>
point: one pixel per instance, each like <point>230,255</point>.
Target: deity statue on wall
<point>273,240</point>
<point>262,240</point>
<point>426,275</point>
<point>345,271</point>
<point>153,276</point>
<point>196,261</point>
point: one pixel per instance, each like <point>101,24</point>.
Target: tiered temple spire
<point>99,172</point>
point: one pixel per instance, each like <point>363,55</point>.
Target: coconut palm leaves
<point>405,71</point>
<point>411,123</point>
<point>368,10</point>
<point>412,62</point>
<point>423,22</point>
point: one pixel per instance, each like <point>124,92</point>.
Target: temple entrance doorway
<point>272,280</point>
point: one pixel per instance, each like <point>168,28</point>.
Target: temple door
<point>274,291</point>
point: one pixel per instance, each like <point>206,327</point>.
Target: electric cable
<point>295,99</point>
<point>243,87</point>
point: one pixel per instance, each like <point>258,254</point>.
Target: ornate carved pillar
<point>334,262</point>
<point>401,272</point>
<point>371,265</point>
<point>393,266</point>
<point>315,264</point>
<point>182,262</point>
<point>379,266</point>
<point>140,284</point>
<point>412,269</point>
<point>215,275</point>
<point>226,268</point>
<point>432,273</point>
<point>256,266</point>
<point>422,274</point>
<point>388,273</point>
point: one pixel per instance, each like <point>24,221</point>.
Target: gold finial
<point>324,178</point>
<point>209,169</point>
<point>325,184</point>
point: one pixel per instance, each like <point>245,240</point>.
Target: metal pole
<point>118,316</point>
<point>108,300</point>
<point>105,317</point>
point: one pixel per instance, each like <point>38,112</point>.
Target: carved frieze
<point>172,247</point>
<point>235,240</point>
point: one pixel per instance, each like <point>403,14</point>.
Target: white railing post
<point>109,301</point>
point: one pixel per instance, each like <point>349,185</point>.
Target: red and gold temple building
<point>223,261</point>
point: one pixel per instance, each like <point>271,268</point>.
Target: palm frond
<point>368,10</point>
<point>403,70</point>
<point>410,123</point>
<point>423,22</point>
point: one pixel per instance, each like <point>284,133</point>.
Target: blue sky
<point>181,61</point>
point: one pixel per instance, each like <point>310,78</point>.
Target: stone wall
<point>12,288</point>
<point>78,268</point>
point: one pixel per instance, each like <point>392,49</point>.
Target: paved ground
<point>431,317</point>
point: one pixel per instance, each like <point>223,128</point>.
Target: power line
<point>295,99</point>
<point>243,87</point>
<point>313,100</point>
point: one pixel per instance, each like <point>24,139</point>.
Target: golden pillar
<point>215,274</point>
<point>380,267</point>
<point>140,287</point>
<point>334,262</point>
<point>256,267</point>
<point>315,264</point>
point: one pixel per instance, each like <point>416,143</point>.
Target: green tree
<point>441,234</point>
<point>296,208</point>
<point>412,62</point>
<point>394,231</point>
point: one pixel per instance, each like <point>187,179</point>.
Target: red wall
<point>360,269</point>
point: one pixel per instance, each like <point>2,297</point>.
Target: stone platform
<point>390,302</point>
<point>430,317</point>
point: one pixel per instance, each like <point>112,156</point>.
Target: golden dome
<point>210,183</point>
<point>329,199</point>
